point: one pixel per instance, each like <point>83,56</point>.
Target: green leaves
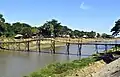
<point>116,28</point>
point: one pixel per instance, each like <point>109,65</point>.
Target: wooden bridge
<point>18,46</point>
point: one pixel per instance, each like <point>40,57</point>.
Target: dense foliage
<point>116,28</point>
<point>50,28</point>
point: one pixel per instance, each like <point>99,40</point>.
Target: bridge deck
<point>97,43</point>
<point>65,42</point>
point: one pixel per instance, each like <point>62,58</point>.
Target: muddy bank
<point>89,70</point>
<point>110,70</point>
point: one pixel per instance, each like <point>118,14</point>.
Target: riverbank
<point>63,69</point>
<point>109,70</point>
<point>98,68</point>
<point>85,66</point>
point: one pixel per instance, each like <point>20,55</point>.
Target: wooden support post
<point>54,46</point>
<point>3,46</point>
<point>106,48</point>
<point>113,49</point>
<point>0,46</point>
<point>13,46</point>
<point>28,46</point>
<point>19,46</point>
<point>96,48</point>
<point>79,49</point>
<point>8,46</point>
<point>39,45</point>
<point>116,47</point>
<point>68,46</point>
<point>78,41</point>
<point>51,49</point>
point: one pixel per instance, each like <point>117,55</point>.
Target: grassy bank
<point>64,69</point>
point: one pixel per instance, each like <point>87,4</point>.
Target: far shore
<point>62,39</point>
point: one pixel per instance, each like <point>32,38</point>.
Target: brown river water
<point>19,64</point>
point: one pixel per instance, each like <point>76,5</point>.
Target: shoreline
<point>69,68</point>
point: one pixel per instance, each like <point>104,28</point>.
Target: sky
<point>87,15</point>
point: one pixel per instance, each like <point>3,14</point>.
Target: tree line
<point>51,28</point>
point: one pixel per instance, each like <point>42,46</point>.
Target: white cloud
<point>84,7</point>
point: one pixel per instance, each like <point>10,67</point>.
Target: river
<point>19,64</point>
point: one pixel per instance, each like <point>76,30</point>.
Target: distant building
<point>85,36</point>
<point>18,36</point>
<point>67,36</point>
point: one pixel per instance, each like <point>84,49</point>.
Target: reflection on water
<point>18,64</point>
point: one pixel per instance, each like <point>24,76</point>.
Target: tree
<point>52,26</point>
<point>2,27</point>
<point>17,27</point>
<point>77,33</point>
<point>91,34</point>
<point>34,30</point>
<point>98,35</point>
<point>8,31</point>
<point>116,28</point>
<point>26,32</point>
<point>104,35</point>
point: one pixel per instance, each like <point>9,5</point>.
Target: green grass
<point>62,69</point>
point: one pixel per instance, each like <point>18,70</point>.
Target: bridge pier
<point>68,46</point>
<point>96,48</point>
<point>53,46</point>
<point>106,48</point>
<point>19,46</point>
<point>28,49</point>
<point>79,49</point>
<point>39,46</point>
<point>116,47</point>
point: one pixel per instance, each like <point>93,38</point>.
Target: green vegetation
<point>62,69</point>
<point>50,28</point>
<point>116,28</point>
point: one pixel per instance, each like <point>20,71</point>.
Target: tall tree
<point>26,32</point>
<point>52,26</point>
<point>17,27</point>
<point>116,28</point>
<point>34,30</point>
<point>104,35</point>
<point>91,34</point>
<point>2,27</point>
<point>9,30</point>
<point>98,35</point>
